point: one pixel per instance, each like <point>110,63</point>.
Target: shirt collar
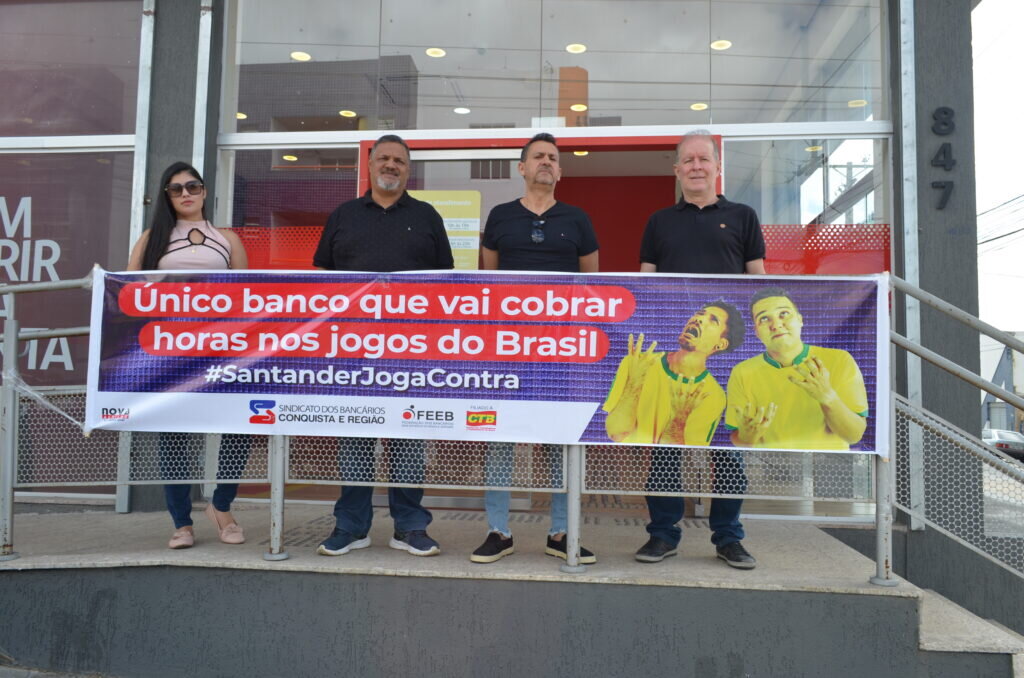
<point>796,361</point>
<point>367,199</point>
<point>722,202</point>
<point>677,377</point>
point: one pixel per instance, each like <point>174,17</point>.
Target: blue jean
<point>499,462</point>
<point>353,512</point>
<point>666,512</point>
<point>175,456</point>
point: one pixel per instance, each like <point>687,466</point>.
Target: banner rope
<point>21,387</point>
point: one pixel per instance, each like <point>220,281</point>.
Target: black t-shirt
<point>568,235</point>
<point>360,235</point>
<point>720,238</point>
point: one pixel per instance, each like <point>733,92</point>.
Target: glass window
<point>60,214</point>
<point>412,64</point>
<point>69,68</point>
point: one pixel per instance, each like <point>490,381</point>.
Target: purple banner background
<point>837,314</point>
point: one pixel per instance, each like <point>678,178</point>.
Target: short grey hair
<point>700,134</point>
<point>391,139</point>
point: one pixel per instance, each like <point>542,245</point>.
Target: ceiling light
<point>347,113</point>
<point>290,158</point>
<point>579,108</point>
<point>813,149</point>
<point>300,56</point>
<point>240,116</point>
<point>699,106</point>
<point>581,153</point>
<point>435,52</point>
<point>721,45</point>
<point>857,103</point>
<point>461,110</point>
<point>576,48</point>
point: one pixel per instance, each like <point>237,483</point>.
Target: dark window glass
<point>69,67</point>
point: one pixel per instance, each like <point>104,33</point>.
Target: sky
<point>999,152</point>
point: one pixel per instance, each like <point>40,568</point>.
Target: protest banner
<point>523,357</point>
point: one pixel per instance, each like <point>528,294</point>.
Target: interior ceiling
<point>646,60</point>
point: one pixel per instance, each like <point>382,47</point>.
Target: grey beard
<point>386,183</point>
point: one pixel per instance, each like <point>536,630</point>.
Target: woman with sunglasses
<point>181,237</point>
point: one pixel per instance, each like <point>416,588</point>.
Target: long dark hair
<point>164,217</point>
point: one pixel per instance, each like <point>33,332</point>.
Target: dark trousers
<point>729,478</point>
<point>353,512</point>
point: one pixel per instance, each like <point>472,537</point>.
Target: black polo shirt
<point>719,238</point>
<point>360,235</point>
<point>568,235</point>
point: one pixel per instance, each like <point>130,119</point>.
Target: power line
<point>983,242</point>
<point>992,209</point>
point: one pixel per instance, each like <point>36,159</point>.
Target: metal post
<point>277,446</point>
<point>122,498</point>
<point>573,484</point>
<point>8,435</point>
<point>883,510</point>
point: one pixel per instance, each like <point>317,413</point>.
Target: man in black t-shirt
<point>702,233</point>
<point>385,230</point>
<point>533,233</point>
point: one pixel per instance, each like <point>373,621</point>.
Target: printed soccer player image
<point>794,395</point>
<point>672,398</point>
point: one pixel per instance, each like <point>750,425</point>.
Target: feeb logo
<point>263,411</point>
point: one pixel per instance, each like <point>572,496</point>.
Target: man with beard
<point>385,230</point>
<point>533,233</point>
<point>672,399</point>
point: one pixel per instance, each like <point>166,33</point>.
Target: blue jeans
<point>176,452</point>
<point>353,512</point>
<point>666,512</point>
<point>499,462</point>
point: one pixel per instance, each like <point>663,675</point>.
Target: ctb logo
<point>482,418</point>
<point>263,411</point>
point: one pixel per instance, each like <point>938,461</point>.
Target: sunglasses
<point>190,187</point>
<point>537,234</point>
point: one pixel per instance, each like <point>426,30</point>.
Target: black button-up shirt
<point>360,235</point>
<point>719,238</point>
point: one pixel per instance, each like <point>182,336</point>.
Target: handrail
<point>957,313</point>
<point>999,459</point>
<point>70,284</point>
<point>956,370</point>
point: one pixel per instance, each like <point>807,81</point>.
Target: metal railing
<point>948,479</point>
<point>29,458</point>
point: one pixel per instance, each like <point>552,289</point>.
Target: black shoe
<point>341,542</point>
<point>655,551</point>
<point>557,549</point>
<point>736,556</point>
<point>416,542</point>
<point>495,547</point>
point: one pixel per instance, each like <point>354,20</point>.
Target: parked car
<point>1009,442</point>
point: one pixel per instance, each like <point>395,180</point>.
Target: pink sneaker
<point>230,533</point>
<point>181,539</point>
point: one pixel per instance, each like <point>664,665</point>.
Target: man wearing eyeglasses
<point>702,233</point>
<point>385,230</point>
<point>533,233</point>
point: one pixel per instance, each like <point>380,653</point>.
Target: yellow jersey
<point>799,422</point>
<point>654,407</point>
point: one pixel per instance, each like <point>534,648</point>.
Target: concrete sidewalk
<point>791,555</point>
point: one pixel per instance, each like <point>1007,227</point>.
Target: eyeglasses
<point>537,234</point>
<point>191,187</point>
